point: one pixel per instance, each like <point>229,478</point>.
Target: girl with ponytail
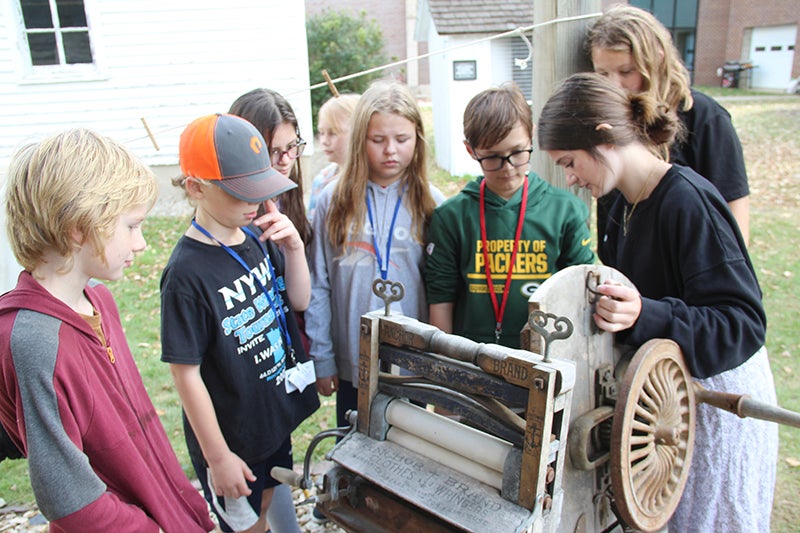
<point>673,235</point>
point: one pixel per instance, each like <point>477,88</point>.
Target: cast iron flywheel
<point>652,435</point>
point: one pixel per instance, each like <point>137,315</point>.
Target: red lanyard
<point>500,310</point>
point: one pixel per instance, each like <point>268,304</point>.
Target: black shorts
<point>281,457</point>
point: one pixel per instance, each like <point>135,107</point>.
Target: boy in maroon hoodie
<point>71,397</point>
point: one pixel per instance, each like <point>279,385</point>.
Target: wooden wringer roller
<point>500,460</point>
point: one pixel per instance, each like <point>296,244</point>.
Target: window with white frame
<point>57,32</point>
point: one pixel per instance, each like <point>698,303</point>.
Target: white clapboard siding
<point>168,61</point>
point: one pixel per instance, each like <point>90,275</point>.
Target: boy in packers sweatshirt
<point>491,245</point>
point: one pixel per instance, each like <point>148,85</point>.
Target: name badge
<point>300,376</point>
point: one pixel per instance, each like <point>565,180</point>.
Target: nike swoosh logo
<point>584,242</point>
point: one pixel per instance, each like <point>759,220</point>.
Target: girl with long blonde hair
<point>694,284</point>
<point>369,224</point>
<point>635,51</point>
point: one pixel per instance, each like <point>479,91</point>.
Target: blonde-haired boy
<point>71,396</point>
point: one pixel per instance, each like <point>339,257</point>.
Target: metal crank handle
<point>744,406</point>
<point>319,498</point>
<point>288,477</point>
<point>325,496</point>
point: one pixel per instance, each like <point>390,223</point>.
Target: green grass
<point>775,243</point>
<point>770,133</point>
<point>716,91</point>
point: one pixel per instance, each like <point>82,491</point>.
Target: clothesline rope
<point>517,31</point>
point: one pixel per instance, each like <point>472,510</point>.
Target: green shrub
<point>342,44</point>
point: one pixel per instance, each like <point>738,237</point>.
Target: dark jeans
<point>346,399</point>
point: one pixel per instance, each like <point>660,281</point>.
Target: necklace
<point>626,216</point>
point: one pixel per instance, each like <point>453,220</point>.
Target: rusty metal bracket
<point>562,328</point>
<point>388,291</point>
<point>592,296</point>
<point>592,281</point>
<point>584,455</point>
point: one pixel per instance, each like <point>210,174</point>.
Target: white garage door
<point>772,52</point>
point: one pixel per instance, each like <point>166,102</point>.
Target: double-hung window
<point>57,32</point>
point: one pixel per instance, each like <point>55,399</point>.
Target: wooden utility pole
<point>557,53</point>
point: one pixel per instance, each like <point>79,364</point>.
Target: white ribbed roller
<point>459,463</point>
<point>468,442</point>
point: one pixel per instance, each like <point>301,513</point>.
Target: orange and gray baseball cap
<point>230,152</point>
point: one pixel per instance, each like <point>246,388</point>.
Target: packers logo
<point>528,288</point>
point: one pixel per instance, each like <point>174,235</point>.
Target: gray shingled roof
<point>480,16</point>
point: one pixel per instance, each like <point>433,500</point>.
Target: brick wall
<point>721,28</point>
<point>711,42</point>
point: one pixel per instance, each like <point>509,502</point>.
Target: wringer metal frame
<point>413,456</point>
<point>501,460</point>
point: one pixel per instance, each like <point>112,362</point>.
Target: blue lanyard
<point>276,308</point>
<point>384,269</point>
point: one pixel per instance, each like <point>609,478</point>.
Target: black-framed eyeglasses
<point>515,159</point>
<point>294,151</point>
